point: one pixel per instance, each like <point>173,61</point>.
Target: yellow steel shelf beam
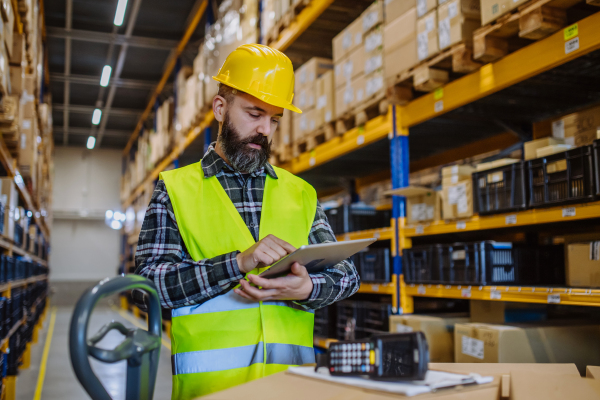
<point>534,59</point>
<point>373,131</point>
<point>304,19</point>
<point>381,234</point>
<point>377,288</point>
<point>542,295</point>
<point>522,218</point>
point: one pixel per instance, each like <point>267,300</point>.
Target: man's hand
<point>295,286</point>
<point>263,253</point>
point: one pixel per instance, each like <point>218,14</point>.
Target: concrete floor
<point>60,382</point>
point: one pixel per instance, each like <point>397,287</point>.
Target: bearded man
<point>213,226</point>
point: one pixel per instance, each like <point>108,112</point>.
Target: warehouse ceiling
<point>82,39</point>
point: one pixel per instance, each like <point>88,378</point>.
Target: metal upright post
<point>400,173</point>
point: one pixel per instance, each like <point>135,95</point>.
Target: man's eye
<point>275,121</point>
<point>254,115</point>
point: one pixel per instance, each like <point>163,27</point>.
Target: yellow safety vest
<point>228,340</point>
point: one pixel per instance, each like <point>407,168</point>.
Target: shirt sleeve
<point>335,283</point>
<point>163,258</point>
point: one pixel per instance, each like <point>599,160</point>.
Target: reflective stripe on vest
<point>229,340</point>
<point>238,357</point>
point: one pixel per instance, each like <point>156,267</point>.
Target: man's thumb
<point>297,269</point>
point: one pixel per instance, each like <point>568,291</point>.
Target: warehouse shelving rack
<point>532,60</point>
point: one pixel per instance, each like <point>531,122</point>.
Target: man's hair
<point>227,92</point>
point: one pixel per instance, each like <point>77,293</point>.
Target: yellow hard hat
<point>262,72</point>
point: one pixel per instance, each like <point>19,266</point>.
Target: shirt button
<point>252,225</point>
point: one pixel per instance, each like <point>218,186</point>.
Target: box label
<point>511,219</point>
<point>422,45</point>
<point>421,7</point>
<point>444,33</point>
<point>558,129</point>
<point>495,295</point>
<point>312,161</point>
<point>347,41</point>
<point>461,225</point>
<point>357,39</point>
<point>373,41</point>
<point>459,255</point>
<point>453,9</point>
<point>322,102</point>
<point>438,106</point>
<point>421,289</point>
<point>595,251</point>
<point>553,298</point>
<point>462,205</point>
<point>472,347</point>
<point>571,32</point>
<point>360,140</point>
<point>328,116</point>
<point>572,45</point>
<point>466,293</point>
<point>401,328</point>
<point>569,212</point>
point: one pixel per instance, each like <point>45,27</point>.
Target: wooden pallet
<point>534,20</point>
<point>371,107</point>
<point>286,20</point>
<point>311,140</point>
<point>432,73</point>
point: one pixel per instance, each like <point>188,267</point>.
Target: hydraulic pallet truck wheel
<point>140,348</point>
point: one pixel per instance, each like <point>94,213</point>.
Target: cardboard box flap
<point>410,191</point>
<point>526,385</point>
<point>592,372</point>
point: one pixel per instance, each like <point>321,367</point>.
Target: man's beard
<point>240,156</point>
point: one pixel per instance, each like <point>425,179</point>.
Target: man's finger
<point>299,270</point>
<point>288,247</point>
<point>258,294</point>
<point>264,258</point>
<point>277,249</point>
<point>265,283</point>
<point>241,293</point>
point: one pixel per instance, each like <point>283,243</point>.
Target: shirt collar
<point>212,164</point>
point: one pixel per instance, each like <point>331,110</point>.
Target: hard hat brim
<point>272,100</point>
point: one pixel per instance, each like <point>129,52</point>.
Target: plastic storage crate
<point>485,263</point>
<point>325,322</point>
<point>376,318</point>
<point>373,265</point>
<point>345,218</point>
<point>423,264</point>
<point>562,178</point>
<point>350,316</point>
<point>501,189</point>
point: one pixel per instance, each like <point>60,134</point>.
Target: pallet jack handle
<point>140,348</point>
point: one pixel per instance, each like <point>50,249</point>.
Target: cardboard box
<point>458,200</point>
<point>349,95</point>
<point>10,200</point>
<point>305,97</point>
<point>349,68</point>
<point>425,6</point>
<point>373,62</point>
<point>325,98</point>
<point>456,173</point>
<point>284,137</point>
<point>531,147</point>
<point>374,41</point>
<point>583,264</point>
<point>347,40</point>
<point>372,16</point>
<point>18,49</point>
<point>427,36</point>
<point>8,14</point>
<point>304,123</point>
<point>395,8</point>
<point>17,75</point>
<point>439,332</point>
<point>421,203</point>
<point>495,164</point>
<point>374,83</point>
<point>308,73</point>
<point>28,147</point>
<point>528,343</point>
<point>552,149</point>
<point>492,9</point>
<point>578,129</point>
<point>457,20</point>
<point>592,372</point>
<point>400,46</point>
<point>501,312</point>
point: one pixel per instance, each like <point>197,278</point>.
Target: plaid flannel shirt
<point>163,258</point>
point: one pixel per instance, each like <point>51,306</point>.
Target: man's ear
<point>219,108</point>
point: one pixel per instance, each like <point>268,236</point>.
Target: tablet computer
<point>317,257</point>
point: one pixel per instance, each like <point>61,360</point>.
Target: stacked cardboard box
<point>9,200</point>
<point>457,20</point>
<point>457,191</point>
<point>400,39</point>
<point>422,204</point>
<point>373,33</point>
<point>348,59</point>
<point>577,129</point>
<point>492,9</point>
<point>528,343</point>
<point>305,96</point>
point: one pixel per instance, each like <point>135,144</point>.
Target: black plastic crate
<point>374,265</point>
<point>501,189</point>
<point>352,218</point>
<point>325,322</point>
<point>376,318</point>
<point>350,316</point>
<point>480,263</point>
<point>562,178</point>
<point>18,238</point>
<point>423,264</point>
<point>7,264</point>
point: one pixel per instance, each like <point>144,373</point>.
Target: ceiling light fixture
<point>120,14</point>
<point>91,143</point>
<point>105,76</point>
<point>96,116</point>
